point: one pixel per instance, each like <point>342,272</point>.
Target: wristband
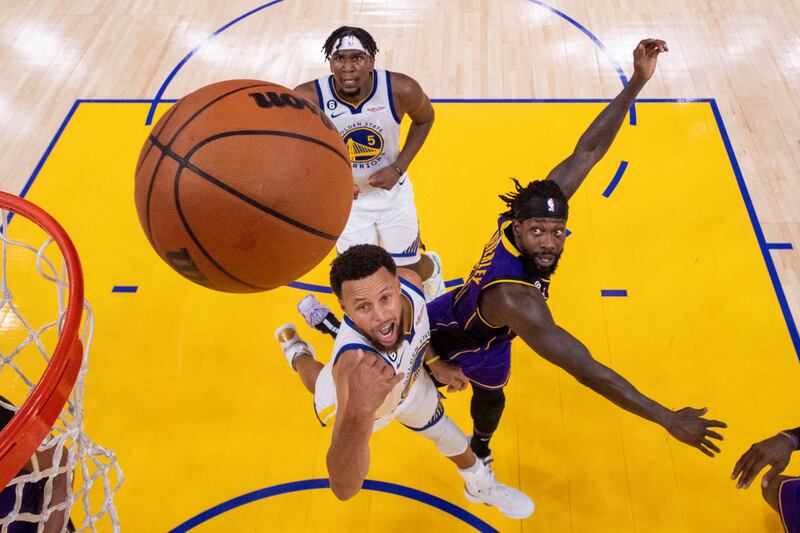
<point>791,434</point>
<point>432,360</point>
<point>397,169</point>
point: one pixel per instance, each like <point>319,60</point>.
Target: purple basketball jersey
<point>458,331</point>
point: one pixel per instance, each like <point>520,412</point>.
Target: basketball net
<point>59,478</point>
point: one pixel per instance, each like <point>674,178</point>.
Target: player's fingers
<point>397,379</point>
<point>700,447</point>
<point>739,466</point>
<point>708,444</point>
<point>714,435</point>
<point>714,424</point>
<point>750,471</point>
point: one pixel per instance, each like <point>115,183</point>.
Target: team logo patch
<point>363,144</point>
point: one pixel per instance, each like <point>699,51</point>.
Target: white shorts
<point>388,219</point>
<point>420,409</point>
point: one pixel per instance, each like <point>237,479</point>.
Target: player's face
<point>375,304</point>
<point>541,241</point>
<point>351,71</point>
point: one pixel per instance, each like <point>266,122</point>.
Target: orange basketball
<point>243,186</point>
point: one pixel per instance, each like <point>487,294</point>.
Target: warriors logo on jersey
<point>364,144</point>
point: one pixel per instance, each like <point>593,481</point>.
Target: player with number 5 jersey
<point>367,105</point>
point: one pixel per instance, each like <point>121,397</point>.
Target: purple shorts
<point>789,504</point>
<point>486,363</point>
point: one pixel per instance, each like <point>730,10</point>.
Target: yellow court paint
<point>191,391</point>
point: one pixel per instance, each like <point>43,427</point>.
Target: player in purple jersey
<point>506,292</point>
<point>782,493</point>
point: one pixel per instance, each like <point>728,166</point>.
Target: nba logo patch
<point>551,205</point>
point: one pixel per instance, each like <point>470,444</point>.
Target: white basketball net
<point>75,478</point>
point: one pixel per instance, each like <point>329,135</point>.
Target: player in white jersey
<point>367,105</point>
<point>376,375</point>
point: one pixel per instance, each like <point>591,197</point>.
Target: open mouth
<point>544,260</point>
<point>386,334</point>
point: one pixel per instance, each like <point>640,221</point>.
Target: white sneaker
<point>292,344</point>
<point>434,285</point>
<point>312,310</point>
<point>482,487</point>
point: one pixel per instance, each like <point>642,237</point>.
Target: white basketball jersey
<point>370,130</point>
<point>407,359</point>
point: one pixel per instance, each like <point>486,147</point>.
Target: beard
<point>534,270</point>
<point>380,346</point>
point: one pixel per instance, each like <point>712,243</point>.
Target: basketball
<point>243,186</point>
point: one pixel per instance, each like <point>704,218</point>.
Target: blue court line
<point>194,50</point>
<point>623,165</point>
<point>762,242</point>
<point>49,149</point>
<point>610,293</point>
<point>310,287</point>
<point>596,41</point>
<point>779,246</point>
<point>125,288</point>
<point>312,484</point>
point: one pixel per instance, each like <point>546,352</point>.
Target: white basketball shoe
<point>292,344</point>
<point>434,285</point>
<point>482,487</point>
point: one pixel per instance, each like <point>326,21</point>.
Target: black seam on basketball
<point>277,133</point>
<point>176,192</point>
<point>184,162</point>
<point>212,102</point>
<point>151,185</point>
<point>162,122</point>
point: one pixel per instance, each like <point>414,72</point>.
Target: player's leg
<point>486,408</point>
<point>783,495</point>
<point>398,230</point>
<point>423,413</point>
<point>300,355</point>
<point>488,371</point>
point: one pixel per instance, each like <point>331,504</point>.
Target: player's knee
<point>447,437</point>
<point>487,405</point>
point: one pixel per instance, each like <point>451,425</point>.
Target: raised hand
<point>775,452</point>
<point>645,57</point>
<point>369,382</point>
<point>688,426</point>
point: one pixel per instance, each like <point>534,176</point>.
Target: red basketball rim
<point>30,425</point>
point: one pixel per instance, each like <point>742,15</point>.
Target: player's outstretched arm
<point>524,310</point>
<point>410,99</point>
<point>597,139</point>
<point>362,383</point>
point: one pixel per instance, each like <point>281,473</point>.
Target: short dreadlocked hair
<point>359,262</point>
<point>517,199</point>
<point>359,33</point>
